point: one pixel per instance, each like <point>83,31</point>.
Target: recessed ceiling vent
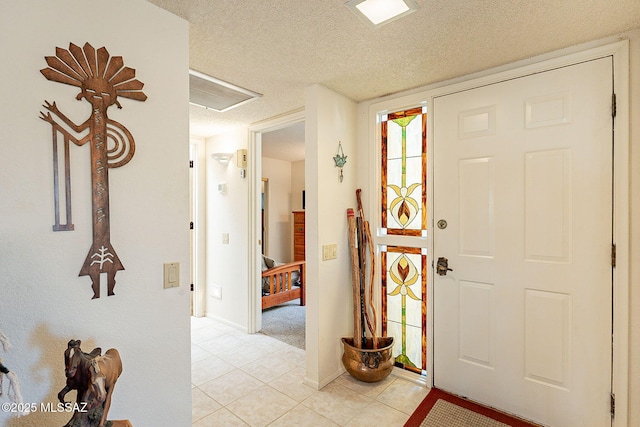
<point>214,94</point>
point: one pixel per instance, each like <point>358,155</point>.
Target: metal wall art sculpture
<point>101,79</point>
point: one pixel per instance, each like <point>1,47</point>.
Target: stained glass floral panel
<point>404,197</point>
<point>404,301</point>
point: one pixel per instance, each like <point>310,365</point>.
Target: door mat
<point>441,409</point>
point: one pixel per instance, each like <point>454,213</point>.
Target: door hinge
<point>192,287</point>
<point>613,255</point>
<point>613,105</point>
<point>613,405</point>
<point>190,163</point>
<point>191,225</point>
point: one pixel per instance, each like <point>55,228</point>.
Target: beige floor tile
<point>378,414</point>
<point>403,395</point>
<point>228,329</point>
<point>268,368</point>
<point>202,405</point>
<point>221,418</point>
<point>220,344</point>
<point>228,388</point>
<point>368,389</point>
<point>292,385</point>
<point>201,322</point>
<point>198,353</point>
<point>209,369</point>
<point>204,333</point>
<point>243,353</point>
<point>262,406</point>
<point>268,343</point>
<point>231,386</point>
<point>301,416</point>
<point>291,354</point>
<point>337,403</point>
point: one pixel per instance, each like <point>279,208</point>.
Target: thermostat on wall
<point>241,158</point>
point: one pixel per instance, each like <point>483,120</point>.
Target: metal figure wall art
<point>101,79</point>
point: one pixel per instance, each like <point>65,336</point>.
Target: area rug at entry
<point>286,323</point>
<point>441,409</point>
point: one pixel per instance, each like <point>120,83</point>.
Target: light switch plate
<point>329,252</point>
<point>171,275</point>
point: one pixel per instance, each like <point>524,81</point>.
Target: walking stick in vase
<point>355,279</point>
<point>372,321</point>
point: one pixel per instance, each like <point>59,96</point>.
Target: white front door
<point>523,179</point>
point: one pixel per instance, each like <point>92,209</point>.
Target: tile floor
<point>254,380</point>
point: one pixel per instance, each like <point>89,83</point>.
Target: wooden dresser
<point>298,236</point>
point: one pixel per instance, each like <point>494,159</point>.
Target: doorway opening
<point>277,171</point>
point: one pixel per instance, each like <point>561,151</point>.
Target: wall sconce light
<point>223,158</point>
<point>340,160</point>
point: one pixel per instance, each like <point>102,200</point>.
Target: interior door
<point>523,184</point>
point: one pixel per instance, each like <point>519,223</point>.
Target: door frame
<point>265,215</point>
<point>619,52</point>
<point>254,164</point>
<point>197,196</point>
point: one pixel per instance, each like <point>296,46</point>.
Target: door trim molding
<point>619,52</point>
<point>254,165</point>
<point>198,234</point>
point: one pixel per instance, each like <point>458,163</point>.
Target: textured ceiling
<point>278,47</point>
<point>284,144</point>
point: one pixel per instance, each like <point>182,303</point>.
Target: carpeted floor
<point>286,323</point>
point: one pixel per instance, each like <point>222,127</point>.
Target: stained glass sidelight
<point>404,213</point>
<point>404,297</point>
<point>404,157</point>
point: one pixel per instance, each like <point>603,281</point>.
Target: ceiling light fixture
<point>380,12</point>
<point>214,94</point>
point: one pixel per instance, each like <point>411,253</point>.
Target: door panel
<point>522,175</point>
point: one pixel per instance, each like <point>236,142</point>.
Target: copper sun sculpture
<point>101,79</point>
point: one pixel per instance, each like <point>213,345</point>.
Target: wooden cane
<point>355,280</point>
<point>372,321</point>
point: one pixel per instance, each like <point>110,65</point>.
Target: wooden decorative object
<point>101,79</point>
<point>76,369</point>
<point>94,377</point>
<point>367,359</point>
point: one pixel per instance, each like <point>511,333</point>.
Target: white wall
<point>226,265</point>
<point>44,303</point>
<point>286,183</point>
<point>280,220</point>
<point>297,184</point>
<point>329,118</point>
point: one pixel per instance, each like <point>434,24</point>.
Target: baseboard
<point>227,322</point>
<point>410,376</point>
<point>320,385</point>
